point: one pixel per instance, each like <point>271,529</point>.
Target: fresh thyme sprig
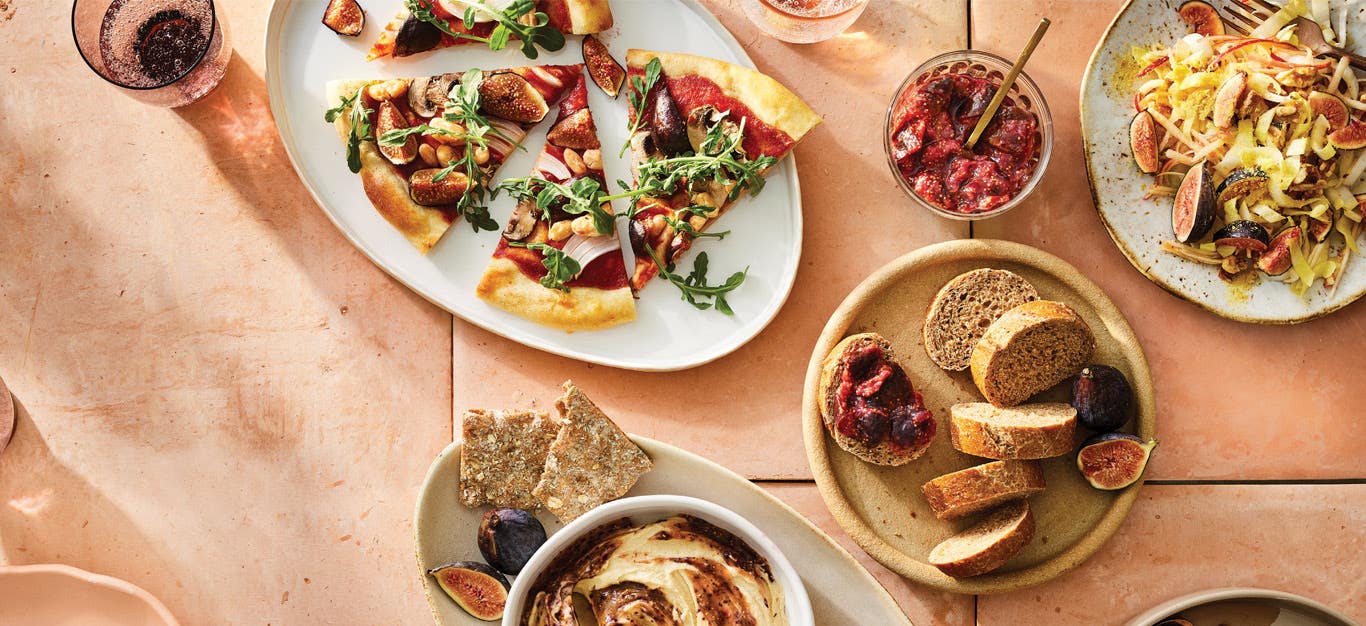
<point>359,118</point>
<point>636,95</point>
<point>538,33</point>
<point>560,268</point>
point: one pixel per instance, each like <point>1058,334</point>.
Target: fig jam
<point>931,125</point>
<point>876,402</point>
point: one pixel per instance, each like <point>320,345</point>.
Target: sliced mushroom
<point>522,222</point>
<point>389,119</point>
<point>576,131</point>
<point>702,120</point>
<point>428,192</point>
<point>427,96</point>
<point>511,97</point>
<point>667,126</point>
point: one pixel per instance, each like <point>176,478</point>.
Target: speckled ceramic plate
<point>882,508</point>
<point>841,591</point>
<point>1244,607</point>
<point>61,595</point>
<point>1138,226</point>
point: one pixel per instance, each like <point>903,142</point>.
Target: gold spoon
<point>1007,83</point>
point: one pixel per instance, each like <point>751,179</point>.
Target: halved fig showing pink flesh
<point>1243,235</point>
<point>1276,260</point>
<point>1319,229</point>
<point>1226,99</point>
<point>477,588</point>
<point>1203,18</point>
<point>1143,142</point>
<point>1331,107</point>
<point>512,98</point>
<point>602,68</point>
<point>389,119</point>
<point>1114,460</point>
<point>1193,208</point>
<point>1352,137</point>
<point>344,17</point>
<point>426,190</point>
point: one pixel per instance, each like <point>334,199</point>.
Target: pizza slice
<point>703,133</point>
<point>423,25</point>
<point>559,262</point>
<point>426,148</point>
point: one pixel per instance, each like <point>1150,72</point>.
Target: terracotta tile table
<point>225,403</point>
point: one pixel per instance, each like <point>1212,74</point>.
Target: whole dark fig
<point>508,538</point>
<point>1102,397</point>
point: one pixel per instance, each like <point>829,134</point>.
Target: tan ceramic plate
<point>1245,607</point>
<point>841,591</point>
<point>1138,226</point>
<point>883,508</point>
<point>53,595</point>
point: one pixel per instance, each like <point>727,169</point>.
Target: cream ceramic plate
<point>882,508</point>
<point>1244,607</point>
<point>841,591</point>
<point>766,231</point>
<point>60,595</point>
<point>1138,226</point>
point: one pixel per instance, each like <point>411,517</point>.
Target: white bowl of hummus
<point>658,560</point>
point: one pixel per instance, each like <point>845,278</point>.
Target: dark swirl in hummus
<point>681,570</point>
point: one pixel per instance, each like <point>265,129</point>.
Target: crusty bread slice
<point>986,545</point>
<point>1030,431</point>
<point>979,488</point>
<point>591,461</point>
<point>965,307</point>
<point>1028,350</point>
<point>832,370</point>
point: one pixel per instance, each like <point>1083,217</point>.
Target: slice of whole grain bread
<point>1028,431</point>
<point>591,461</point>
<point>963,309</point>
<point>979,488</point>
<point>987,545</point>
<point>1029,349</point>
<point>502,455</point>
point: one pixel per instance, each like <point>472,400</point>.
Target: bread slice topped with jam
<point>987,545</point>
<point>1032,431</point>
<point>965,307</point>
<point>869,405</point>
<point>979,488</point>
<point>1029,349</point>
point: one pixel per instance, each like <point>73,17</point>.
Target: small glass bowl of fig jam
<point>930,119</point>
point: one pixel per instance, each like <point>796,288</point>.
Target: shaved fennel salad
<point>1259,144</point>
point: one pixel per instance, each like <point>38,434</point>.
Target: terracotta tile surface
<point>925,606</point>
<point>852,228</point>
<point>1304,539</point>
<point>223,401</point>
<point>1237,401</point>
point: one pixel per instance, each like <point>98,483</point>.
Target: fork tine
<point>1271,8</point>
<point>1249,21</point>
<point>1237,28</point>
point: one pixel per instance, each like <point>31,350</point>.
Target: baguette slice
<point>965,307</point>
<point>1030,431</point>
<point>986,545</point>
<point>832,373</point>
<point>1028,350</point>
<point>976,489</point>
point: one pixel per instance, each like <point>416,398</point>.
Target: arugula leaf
<point>684,226</point>
<point>358,116</point>
<point>538,33</point>
<point>580,197</point>
<point>560,268</point>
<point>695,288</point>
<point>636,95</point>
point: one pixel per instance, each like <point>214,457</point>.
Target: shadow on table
<point>48,505</point>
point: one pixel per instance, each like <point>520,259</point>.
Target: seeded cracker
<point>591,462</point>
<point>502,456</point>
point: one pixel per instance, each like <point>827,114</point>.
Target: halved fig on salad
<point>344,17</point>
<point>1276,260</point>
<point>1319,229</point>
<point>1193,209</point>
<point>1243,235</point>
<point>1203,18</point>
<point>1143,142</point>
<point>1246,182</point>
<point>1352,137</point>
<point>1331,107</point>
<point>1227,98</point>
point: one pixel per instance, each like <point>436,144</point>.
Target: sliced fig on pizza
<point>559,262</point>
<point>532,25</point>
<point>703,134</point>
<point>426,148</point>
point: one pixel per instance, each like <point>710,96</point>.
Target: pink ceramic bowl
<point>61,595</point>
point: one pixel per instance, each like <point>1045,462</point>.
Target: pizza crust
<point>588,16</point>
<point>770,101</point>
<point>583,308</point>
<point>387,190</point>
